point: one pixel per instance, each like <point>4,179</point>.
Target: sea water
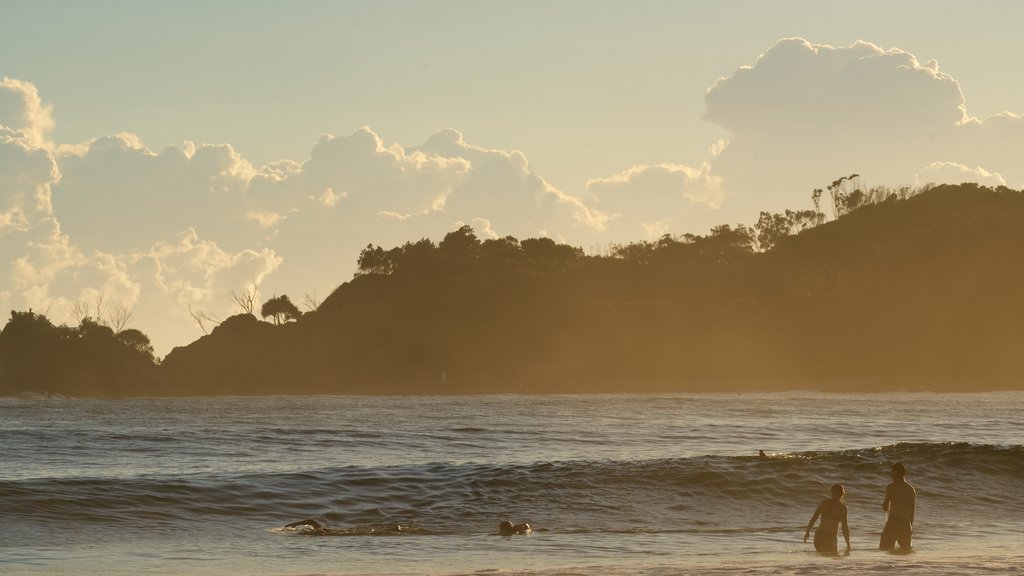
<point>612,484</point>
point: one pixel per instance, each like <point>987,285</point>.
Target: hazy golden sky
<point>165,153</point>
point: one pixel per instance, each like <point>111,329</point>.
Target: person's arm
<point>814,518</point>
<point>913,504</point>
<point>846,529</point>
<point>888,498</point>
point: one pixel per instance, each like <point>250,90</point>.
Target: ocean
<point>612,484</point>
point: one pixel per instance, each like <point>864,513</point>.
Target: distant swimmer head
<point>838,491</point>
<point>899,470</point>
<point>506,528</point>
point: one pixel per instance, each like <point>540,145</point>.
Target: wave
<point>700,493</point>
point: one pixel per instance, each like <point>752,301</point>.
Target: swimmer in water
<point>506,528</point>
<point>319,529</point>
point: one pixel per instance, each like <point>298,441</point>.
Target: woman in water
<point>833,514</point>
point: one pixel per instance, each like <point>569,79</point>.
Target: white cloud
<point>359,175</point>
<point>390,194</point>
<point>22,111</point>
<point>45,271</point>
<point>655,230</point>
<point>801,115</point>
<point>502,188</point>
<point>27,174</point>
<point>669,181</point>
<point>120,196</point>
<point>804,86</point>
<point>192,270</point>
<point>804,114</point>
<point>652,199</point>
<point>188,225</point>
<point>483,229</point>
<point>955,173</point>
<point>995,143</point>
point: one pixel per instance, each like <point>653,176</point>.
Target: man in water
<point>506,528</point>
<point>307,522</point>
<point>319,529</point>
<point>900,500</point>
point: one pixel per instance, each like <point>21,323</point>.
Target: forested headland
<point>895,289</point>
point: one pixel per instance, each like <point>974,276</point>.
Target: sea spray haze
<point>650,484</point>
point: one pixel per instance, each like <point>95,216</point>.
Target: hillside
<point>920,293</point>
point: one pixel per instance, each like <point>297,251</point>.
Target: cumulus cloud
<point>805,113</point>
<point>356,190</point>
<point>647,200</point>
<point>796,84</point>
<point>994,142</point>
<point>483,229</point>
<point>119,195</point>
<point>27,174</point>
<point>191,271</point>
<point>502,187</point>
<point>88,223</point>
<point>23,111</point>
<point>44,270</point>
<point>359,175</point>
<point>955,173</point>
<point>182,228</point>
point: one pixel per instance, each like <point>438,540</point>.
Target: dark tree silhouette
<point>375,260</point>
<point>88,360</point>
<point>460,245</point>
<point>281,309</point>
<point>136,340</point>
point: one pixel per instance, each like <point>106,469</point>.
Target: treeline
<point>893,288</point>
<point>88,360</point>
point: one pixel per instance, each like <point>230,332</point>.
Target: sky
<point>157,156</point>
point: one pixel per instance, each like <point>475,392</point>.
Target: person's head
<point>899,471</point>
<point>838,492</point>
<point>505,527</point>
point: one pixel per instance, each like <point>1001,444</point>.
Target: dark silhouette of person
<point>506,528</point>
<point>317,527</point>
<point>833,514</point>
<point>900,501</point>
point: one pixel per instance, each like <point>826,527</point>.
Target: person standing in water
<point>900,501</point>
<point>833,514</point>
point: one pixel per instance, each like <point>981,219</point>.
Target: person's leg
<point>888,539</point>
<point>904,536</point>
<point>825,542</point>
